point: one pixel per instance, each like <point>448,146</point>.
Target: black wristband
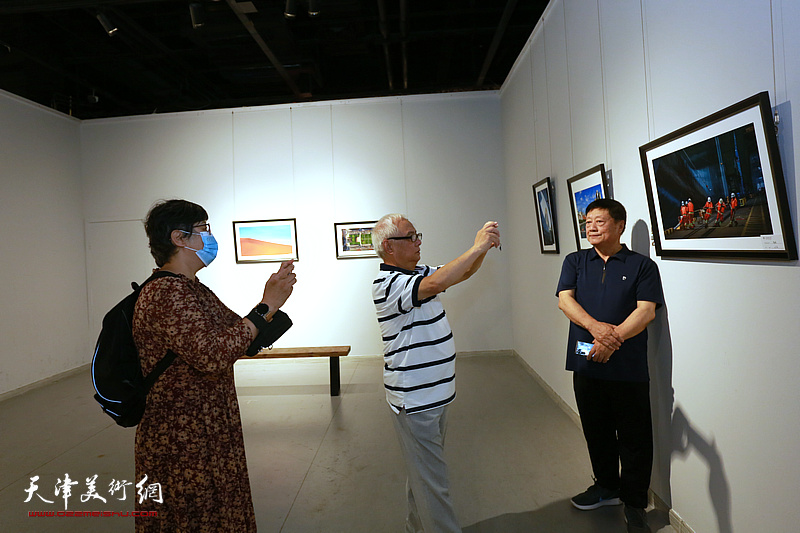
<point>259,321</point>
<point>272,332</point>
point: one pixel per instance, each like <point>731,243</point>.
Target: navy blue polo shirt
<point>608,291</point>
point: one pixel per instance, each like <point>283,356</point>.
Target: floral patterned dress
<point>189,443</point>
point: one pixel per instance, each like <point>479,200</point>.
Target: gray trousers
<point>421,435</point>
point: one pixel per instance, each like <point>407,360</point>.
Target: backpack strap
<point>159,274</point>
<point>159,369</point>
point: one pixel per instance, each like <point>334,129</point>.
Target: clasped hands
<point>606,342</point>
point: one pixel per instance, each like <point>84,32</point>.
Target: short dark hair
<point>614,208</point>
<point>166,216</point>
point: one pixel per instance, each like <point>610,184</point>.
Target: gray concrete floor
<point>322,464</point>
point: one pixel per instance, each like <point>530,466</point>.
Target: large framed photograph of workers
<point>715,188</point>
<point>585,188</point>
<point>546,220</point>
<point>354,239</point>
<point>265,241</point>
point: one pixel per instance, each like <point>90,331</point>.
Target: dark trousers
<point>618,428</point>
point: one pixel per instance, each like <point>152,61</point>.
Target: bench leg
<point>335,379</point>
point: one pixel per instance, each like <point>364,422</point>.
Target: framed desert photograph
<point>265,241</point>
<point>545,216</point>
<point>715,188</point>
<point>585,188</point>
<point>354,239</point>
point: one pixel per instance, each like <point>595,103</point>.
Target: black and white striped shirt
<point>419,353</point>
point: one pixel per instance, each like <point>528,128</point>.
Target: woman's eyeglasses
<point>201,227</point>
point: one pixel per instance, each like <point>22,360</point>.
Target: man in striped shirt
<point>419,359</point>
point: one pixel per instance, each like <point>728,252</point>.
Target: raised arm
<point>464,266</point>
<point>277,290</point>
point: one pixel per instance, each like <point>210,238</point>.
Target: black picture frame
<point>354,239</point>
<point>583,189</point>
<point>265,241</point>
<point>724,164</point>
<point>545,216</point>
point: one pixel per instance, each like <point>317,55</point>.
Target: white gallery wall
<point>75,193</point>
<point>598,79</point>
<point>438,159</point>
<point>43,310</point>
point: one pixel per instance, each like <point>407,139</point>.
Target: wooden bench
<point>332,352</point>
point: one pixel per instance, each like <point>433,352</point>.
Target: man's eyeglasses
<point>414,237</point>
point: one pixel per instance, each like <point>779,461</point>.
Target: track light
<point>198,15</point>
<point>291,9</point>
<point>106,24</point>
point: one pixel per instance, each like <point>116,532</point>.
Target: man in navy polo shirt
<point>610,295</point>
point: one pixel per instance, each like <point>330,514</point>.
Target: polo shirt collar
<point>392,268</point>
<point>622,254</point>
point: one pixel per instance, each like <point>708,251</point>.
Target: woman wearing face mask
<point>190,456</point>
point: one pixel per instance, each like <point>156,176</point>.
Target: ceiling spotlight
<point>198,15</point>
<point>106,24</point>
<point>313,8</point>
<point>291,9</point>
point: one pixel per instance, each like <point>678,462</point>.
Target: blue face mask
<point>209,250</point>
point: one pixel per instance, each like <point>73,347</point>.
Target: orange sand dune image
<point>253,247</point>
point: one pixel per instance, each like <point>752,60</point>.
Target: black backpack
<point>120,388</point>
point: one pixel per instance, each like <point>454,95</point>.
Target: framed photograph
<point>354,239</point>
<point>715,188</point>
<point>265,241</point>
<point>585,188</point>
<point>543,200</point>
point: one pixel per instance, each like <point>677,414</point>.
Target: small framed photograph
<point>584,189</point>
<point>265,241</point>
<point>546,220</point>
<point>715,188</point>
<point>354,239</point>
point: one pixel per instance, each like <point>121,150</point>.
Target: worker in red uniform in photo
<point>707,210</point>
<point>720,212</point>
<point>690,212</point>
<point>682,222</point>
<point>734,205</point>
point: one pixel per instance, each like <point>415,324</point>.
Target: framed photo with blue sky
<point>265,241</point>
<point>584,189</point>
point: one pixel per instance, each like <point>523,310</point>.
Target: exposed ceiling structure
<point>110,58</point>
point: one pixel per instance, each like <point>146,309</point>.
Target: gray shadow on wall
<point>662,396</point>
<point>688,439</point>
<point>786,148</point>
<point>673,433</point>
